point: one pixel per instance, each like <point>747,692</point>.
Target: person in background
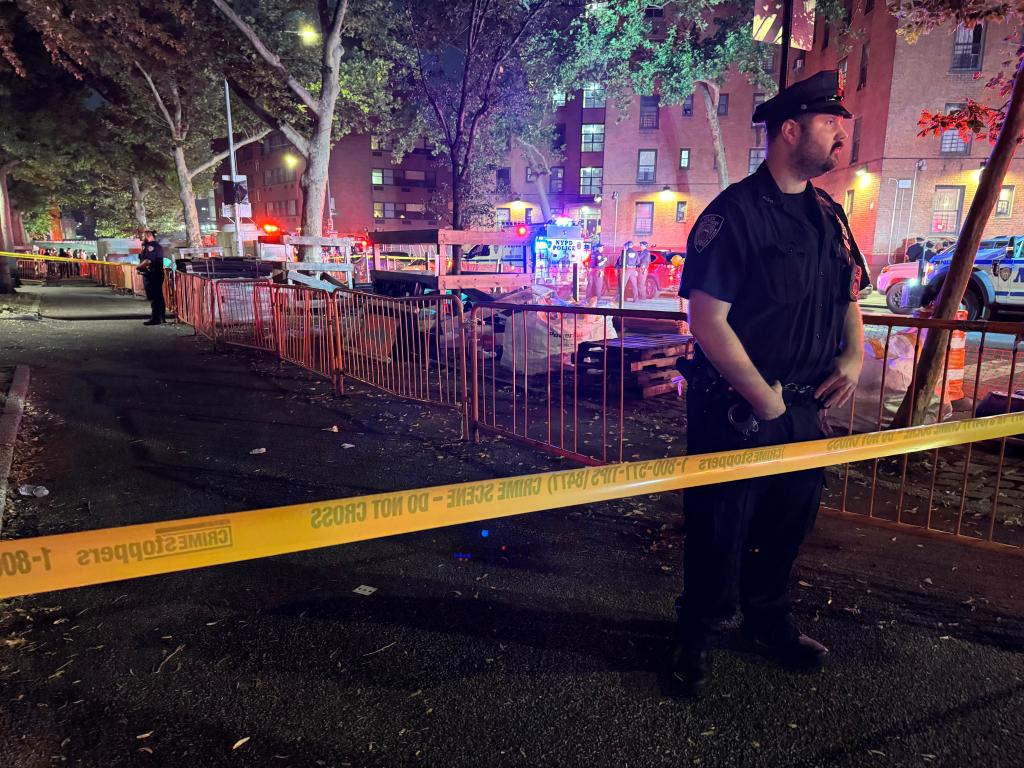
<point>929,251</point>
<point>152,269</point>
<point>595,276</point>
<point>916,249</point>
<point>644,266</point>
<point>628,262</point>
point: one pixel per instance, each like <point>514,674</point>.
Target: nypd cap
<point>820,93</point>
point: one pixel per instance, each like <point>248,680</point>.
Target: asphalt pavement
<point>541,644</point>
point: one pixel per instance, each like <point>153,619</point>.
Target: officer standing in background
<point>595,277</point>
<point>643,266</point>
<point>772,275</point>
<point>152,269</point>
<point>627,265</point>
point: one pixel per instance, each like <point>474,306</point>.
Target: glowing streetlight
<point>308,35</point>
<point>666,193</point>
<point>290,160</point>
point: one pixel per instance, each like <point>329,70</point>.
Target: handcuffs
<point>749,424</point>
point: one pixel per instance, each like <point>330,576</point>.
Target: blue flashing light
<point>485,533</point>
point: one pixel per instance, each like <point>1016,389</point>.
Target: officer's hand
<point>840,386</point>
<point>773,407</point>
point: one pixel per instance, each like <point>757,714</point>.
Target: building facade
<point>647,172</point>
<point>366,190</point>
<point>894,184</point>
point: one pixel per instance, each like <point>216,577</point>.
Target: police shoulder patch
<point>707,228</point>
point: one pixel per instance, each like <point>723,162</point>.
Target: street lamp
<point>666,193</point>
<point>307,34</point>
<point>290,160</point>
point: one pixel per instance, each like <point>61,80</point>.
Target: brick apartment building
<point>366,191</point>
<point>894,184</point>
<point>648,173</point>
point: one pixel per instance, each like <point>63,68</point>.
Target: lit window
<point>680,212</point>
<point>1004,205</point>
<point>647,162</point>
<point>684,158</point>
<point>947,206</point>
<point>754,159</point>
<point>590,180</point>
<point>593,96</point>
<point>952,143</point>
<point>593,137</point>
<point>644,220</point>
<point>968,44</point>
<point>556,182</point>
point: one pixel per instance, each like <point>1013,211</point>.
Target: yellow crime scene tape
<point>67,560</point>
<point>44,257</point>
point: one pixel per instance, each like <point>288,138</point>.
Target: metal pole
<point>787,36</point>
<point>913,193</point>
<point>892,224</point>
<point>239,246</point>
<point>615,220</point>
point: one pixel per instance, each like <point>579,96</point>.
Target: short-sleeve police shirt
<point>788,281</point>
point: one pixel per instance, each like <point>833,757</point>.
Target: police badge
<point>708,226</point>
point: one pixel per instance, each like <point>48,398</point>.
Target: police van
<point>997,280</point>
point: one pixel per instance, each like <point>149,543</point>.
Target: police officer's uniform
<point>153,280</point>
<point>789,267</point>
<point>629,260</point>
<point>643,265</point>
<point>598,261</point>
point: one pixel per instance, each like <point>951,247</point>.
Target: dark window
<point>654,11</point>
<point>558,138</point>
<point>649,112</point>
<point>643,223</point>
<point>847,11</point>
<point>862,78</point>
<point>825,35</point>
<point>723,104</point>
<point>758,101</point>
<point>529,175</point>
<point>503,177</point>
<point>947,207</point>
<point>968,44</point>
<point>557,181</point>
<point>680,212</point>
<point>688,106</point>
<point>855,141</point>
<point>754,159</point>
<point>869,6</point>
<point>841,68</point>
<point>951,142</point>
<point>684,158</point>
<point>647,161</point>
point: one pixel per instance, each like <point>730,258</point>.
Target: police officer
<point>595,278</point>
<point>628,261</point>
<point>152,269</point>
<point>772,276</point>
<point>643,266</point>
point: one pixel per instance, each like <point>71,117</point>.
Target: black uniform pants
<point>155,294</point>
<point>742,537</point>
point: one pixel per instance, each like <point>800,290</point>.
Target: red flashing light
<point>521,230</point>
<point>271,229</point>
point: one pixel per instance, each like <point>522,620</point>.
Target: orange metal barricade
<point>302,328</point>
<point>196,303</point>
<point>245,313</point>
<point>567,379</point>
<point>411,347</point>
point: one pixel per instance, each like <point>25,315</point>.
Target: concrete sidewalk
<point>541,644</point>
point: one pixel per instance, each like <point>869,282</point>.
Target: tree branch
<point>159,101</point>
<point>433,100</point>
<point>300,142</point>
<point>221,155</point>
<point>271,58</point>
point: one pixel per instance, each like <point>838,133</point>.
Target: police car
<point>997,280</point>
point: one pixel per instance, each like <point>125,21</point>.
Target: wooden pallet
<point>650,362</point>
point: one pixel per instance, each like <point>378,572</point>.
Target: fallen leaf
<point>256,451</point>
<point>145,735</point>
<point>240,742</point>
<point>347,445</point>
<point>803,584</point>
<point>332,429</point>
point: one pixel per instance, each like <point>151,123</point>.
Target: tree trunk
<point>188,199</point>
<point>929,368</point>
<point>139,204</point>
<point>540,180</point>
<point>6,235</point>
<point>711,110</point>
<point>313,184</point>
<point>456,221</point>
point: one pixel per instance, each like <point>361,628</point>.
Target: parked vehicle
<point>894,278</point>
<point>997,280</point>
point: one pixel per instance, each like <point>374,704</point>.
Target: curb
<point>9,423</point>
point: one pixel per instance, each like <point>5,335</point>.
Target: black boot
<point>795,651</point>
<point>691,667</point>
